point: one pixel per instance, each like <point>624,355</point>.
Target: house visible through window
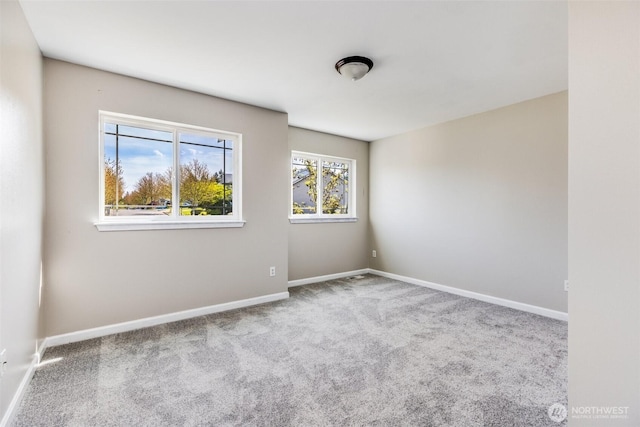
<point>321,186</point>
<point>156,170</point>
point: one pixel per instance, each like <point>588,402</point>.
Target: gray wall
<point>21,195</point>
<point>604,208</point>
<point>480,216</point>
<point>320,249</point>
<point>478,203</point>
<point>101,278</point>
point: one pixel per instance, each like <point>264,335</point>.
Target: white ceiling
<point>434,60</point>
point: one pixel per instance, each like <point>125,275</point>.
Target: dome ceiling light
<point>354,67</point>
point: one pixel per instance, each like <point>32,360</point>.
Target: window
<point>157,174</point>
<point>328,198</point>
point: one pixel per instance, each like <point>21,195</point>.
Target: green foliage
<point>334,179</point>
<point>203,190</point>
<point>113,182</point>
<point>298,208</point>
<point>331,196</point>
<point>310,183</point>
<point>150,188</point>
<point>201,193</point>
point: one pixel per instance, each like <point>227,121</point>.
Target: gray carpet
<point>369,351</point>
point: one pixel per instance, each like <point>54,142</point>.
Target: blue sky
<point>138,156</point>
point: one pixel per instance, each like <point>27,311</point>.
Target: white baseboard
<point>19,394</point>
<point>317,279</point>
<point>187,314</point>
<point>158,320</point>
<point>559,315</point>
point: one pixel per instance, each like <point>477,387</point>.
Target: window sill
<point>164,225</point>
<point>321,220</point>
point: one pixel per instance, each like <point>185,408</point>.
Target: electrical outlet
<point>373,253</point>
<point>272,271</point>
<point>566,286</point>
<point>3,362</point>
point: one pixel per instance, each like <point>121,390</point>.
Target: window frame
<point>319,216</point>
<point>175,221</point>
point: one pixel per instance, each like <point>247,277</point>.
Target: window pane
<point>206,176</point>
<point>109,127</point>
<point>303,181</point>
<point>201,140</point>
<point>227,176</point>
<point>167,169</point>
<point>137,172</point>
<point>144,133</point>
<point>335,180</point>
<point>113,176</point>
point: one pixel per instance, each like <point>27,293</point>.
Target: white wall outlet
<point>566,286</point>
<point>272,271</point>
<point>374,253</point>
<point>3,362</point>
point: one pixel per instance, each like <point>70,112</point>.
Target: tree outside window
<point>331,190</point>
<point>140,157</point>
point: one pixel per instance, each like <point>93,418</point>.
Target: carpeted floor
<point>370,351</point>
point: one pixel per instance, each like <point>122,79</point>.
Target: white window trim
<point>125,225</point>
<point>105,223</point>
<point>319,220</point>
<point>319,216</point>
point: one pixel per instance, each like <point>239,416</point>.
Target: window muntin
<point>148,167</point>
<point>333,191</point>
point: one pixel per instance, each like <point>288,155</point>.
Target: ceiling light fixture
<point>354,67</point>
